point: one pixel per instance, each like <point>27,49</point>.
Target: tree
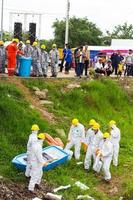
<point>124,31</point>
<point>81,31</point>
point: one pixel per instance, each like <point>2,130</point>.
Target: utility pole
<point>2,8</point>
<point>67,22</point>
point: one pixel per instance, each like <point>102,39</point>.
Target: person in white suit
<point>75,137</point>
<point>115,139</point>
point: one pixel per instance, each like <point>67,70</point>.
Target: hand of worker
<point>45,164</point>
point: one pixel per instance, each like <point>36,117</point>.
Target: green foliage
<point>81,31</point>
<point>123,31</point>
<point>102,100</point>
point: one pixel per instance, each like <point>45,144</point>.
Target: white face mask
<point>35,132</point>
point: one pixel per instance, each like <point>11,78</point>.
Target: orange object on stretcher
<point>53,141</point>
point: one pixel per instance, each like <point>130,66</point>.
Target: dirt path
<point>14,191</point>
<point>32,100</point>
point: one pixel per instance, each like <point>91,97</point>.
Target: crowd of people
<point>40,58</point>
<point>100,148</point>
<point>78,58</point>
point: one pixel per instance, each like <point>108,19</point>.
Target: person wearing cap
<point>104,155</point>
<point>115,139</point>
<point>88,142</point>
<point>94,139</point>
<point>32,139</point>
<point>44,60</point>
<point>11,56</point>
<point>36,60</point>
<point>2,57</point>
<point>37,163</point>
<point>28,49</point>
<point>54,60</point>
<point>76,136</point>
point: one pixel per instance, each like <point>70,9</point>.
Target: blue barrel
<point>25,66</point>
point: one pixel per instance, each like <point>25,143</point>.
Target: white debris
<point>121,198</point>
<point>81,185</point>
<point>62,188</point>
<point>53,196</point>
<point>36,198</point>
<point>79,163</point>
<point>85,197</point>
<point>9,95</point>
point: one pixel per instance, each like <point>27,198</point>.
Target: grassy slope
<point>102,100</point>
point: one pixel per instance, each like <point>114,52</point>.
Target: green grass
<point>102,100</point>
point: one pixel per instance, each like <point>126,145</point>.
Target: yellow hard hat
<point>54,45</point>
<point>106,135</point>
<point>43,46</point>
<point>34,44</point>
<point>27,41</point>
<point>96,126</point>
<point>35,127</point>
<point>75,122</point>
<point>112,122</point>
<point>41,136</point>
<point>1,43</point>
<point>92,122</point>
<point>15,40</point>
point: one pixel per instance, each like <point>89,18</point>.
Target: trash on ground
<point>62,188</point>
<point>79,163</point>
<point>85,197</point>
<point>53,196</point>
<point>81,185</point>
<point>36,198</point>
<point>121,198</point>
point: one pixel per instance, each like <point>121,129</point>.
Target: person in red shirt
<point>11,56</point>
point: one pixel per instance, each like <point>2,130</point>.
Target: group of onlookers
<point>116,63</point>
<point>79,58</point>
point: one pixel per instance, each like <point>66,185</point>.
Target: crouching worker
<point>75,137</point>
<point>37,163</point>
<point>104,157</point>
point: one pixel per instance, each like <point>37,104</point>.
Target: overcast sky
<point>105,13</point>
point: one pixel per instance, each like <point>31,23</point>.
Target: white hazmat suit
<point>104,159</point>
<point>93,140</point>
<point>115,139</point>
<point>107,152</point>
<point>37,163</point>
<point>75,137</point>
<point>32,139</point>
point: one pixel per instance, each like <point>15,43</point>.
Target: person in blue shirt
<point>63,59</point>
<point>68,59</point>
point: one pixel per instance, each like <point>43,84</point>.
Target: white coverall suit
<point>76,136</point>
<point>115,139</point>
<point>54,57</point>
<point>107,152</point>
<point>36,62</point>
<point>93,141</point>
<point>37,163</point>
<point>32,139</point>
<point>28,50</point>
<point>44,62</point>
